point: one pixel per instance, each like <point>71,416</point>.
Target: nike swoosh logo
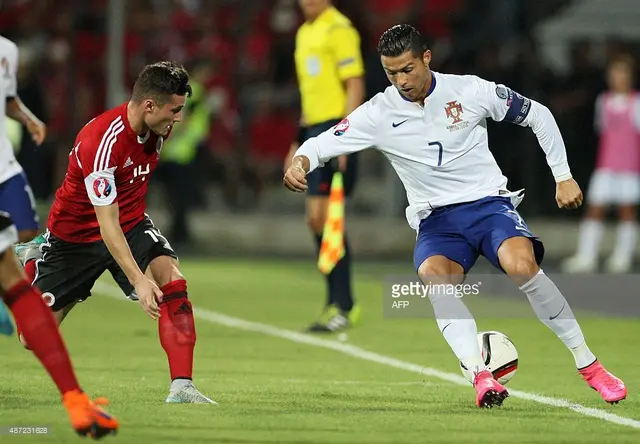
<point>395,125</point>
<point>551,318</point>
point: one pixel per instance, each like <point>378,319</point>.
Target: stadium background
<point>78,58</point>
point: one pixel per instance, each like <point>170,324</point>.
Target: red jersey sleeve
<point>97,157</point>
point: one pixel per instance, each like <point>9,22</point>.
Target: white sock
<point>589,239</point>
<point>457,325</point>
<point>554,311</point>
<point>178,384</point>
<point>627,236</point>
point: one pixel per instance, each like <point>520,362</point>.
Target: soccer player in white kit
<point>16,197</point>
<point>432,128</point>
<point>616,179</point>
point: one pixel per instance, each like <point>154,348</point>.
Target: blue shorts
<point>463,232</point>
<point>16,198</point>
<point>319,180</point>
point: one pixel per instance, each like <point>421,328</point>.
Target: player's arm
<point>344,42</point>
<point>109,219</point>
<point>355,133</point>
<point>503,104</point>
<point>98,168</point>
<point>17,110</point>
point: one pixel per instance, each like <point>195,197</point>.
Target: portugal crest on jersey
<point>454,111</point>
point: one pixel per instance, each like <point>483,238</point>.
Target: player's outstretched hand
<point>568,194</point>
<point>149,294</point>
<point>296,178</point>
<point>38,131</point>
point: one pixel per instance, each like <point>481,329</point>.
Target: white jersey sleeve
<point>11,73</point>
<point>502,104</point>
<point>355,133</point>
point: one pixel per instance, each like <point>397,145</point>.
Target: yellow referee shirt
<point>327,53</point>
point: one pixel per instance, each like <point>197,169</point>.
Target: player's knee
<point>441,269</point>
<point>26,235</point>
<point>316,223</point>
<point>521,267</point>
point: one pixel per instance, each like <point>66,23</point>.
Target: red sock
<point>41,333</point>
<point>177,329</point>
<point>30,270</point>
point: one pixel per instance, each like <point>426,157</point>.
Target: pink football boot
<point>488,391</point>
<point>610,388</point>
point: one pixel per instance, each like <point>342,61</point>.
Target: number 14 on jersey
<point>140,171</point>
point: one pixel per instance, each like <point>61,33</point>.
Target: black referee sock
<point>340,281</point>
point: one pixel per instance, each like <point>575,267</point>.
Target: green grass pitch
<point>273,389</point>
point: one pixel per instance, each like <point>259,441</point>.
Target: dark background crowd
<point>243,54</point>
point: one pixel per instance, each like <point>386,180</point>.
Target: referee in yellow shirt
<point>330,75</point>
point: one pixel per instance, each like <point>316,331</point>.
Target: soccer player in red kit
<point>40,329</point>
<point>98,222</point>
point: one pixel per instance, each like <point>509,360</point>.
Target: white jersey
<point>440,151</point>
<point>9,166</point>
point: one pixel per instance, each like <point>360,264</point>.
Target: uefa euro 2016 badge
<point>313,65</point>
<point>341,127</point>
<point>101,187</point>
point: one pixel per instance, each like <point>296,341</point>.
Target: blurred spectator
<point>178,170</point>
<point>250,46</point>
<point>36,161</point>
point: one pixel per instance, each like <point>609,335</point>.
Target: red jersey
<point>109,163</point>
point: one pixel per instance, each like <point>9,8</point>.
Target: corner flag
<point>332,247</point>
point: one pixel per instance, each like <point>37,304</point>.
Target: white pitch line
<point>357,352</point>
<point>351,382</point>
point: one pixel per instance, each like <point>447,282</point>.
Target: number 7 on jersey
<point>439,145</point>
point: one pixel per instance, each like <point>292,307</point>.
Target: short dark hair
<point>161,80</point>
<point>401,38</point>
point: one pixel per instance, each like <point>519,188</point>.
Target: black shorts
<point>67,271</point>
<point>319,180</point>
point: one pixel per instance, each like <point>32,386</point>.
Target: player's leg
<point>61,287</point>
<point>510,246</point>
<point>628,195</point>
<point>443,257</point>
<point>599,197</point>
<point>16,198</point>
<point>176,326</point>
<point>40,329</point>
<point>340,311</point>
<point>621,258</point>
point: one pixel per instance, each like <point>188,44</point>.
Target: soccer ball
<point>500,356</point>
